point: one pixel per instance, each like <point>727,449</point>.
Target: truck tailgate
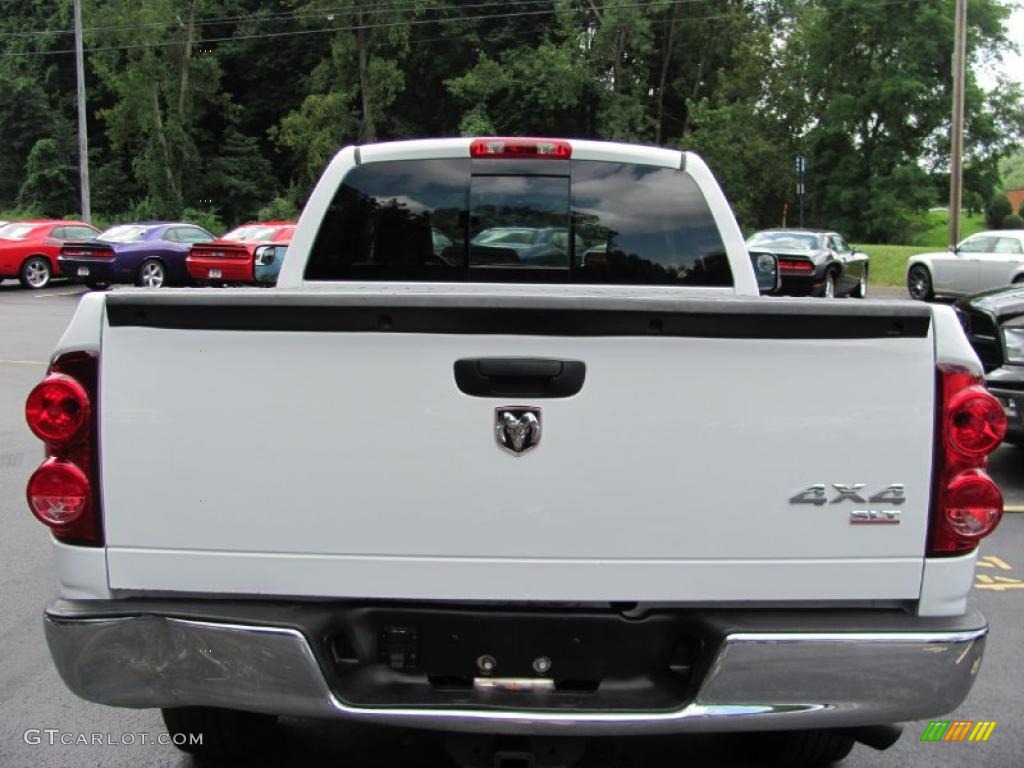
<point>318,445</point>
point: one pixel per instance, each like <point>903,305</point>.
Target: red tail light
<point>61,410</point>
<point>796,265</point>
<point>219,252</point>
<point>976,422</point>
<point>973,505</point>
<point>72,252</point>
<point>966,503</point>
<point>529,148</point>
<point>57,409</point>
<point>59,493</point>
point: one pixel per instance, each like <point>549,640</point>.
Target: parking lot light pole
<point>83,131</point>
<point>956,128</point>
<point>801,171</point>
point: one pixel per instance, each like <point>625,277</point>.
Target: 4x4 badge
<point>517,428</point>
<point>816,494</point>
<point>892,494</point>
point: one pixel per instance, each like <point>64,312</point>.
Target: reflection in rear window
<point>519,221</point>
<point>123,233</point>
<point>249,233</point>
<point>484,221</point>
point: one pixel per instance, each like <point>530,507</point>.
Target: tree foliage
<point>997,210</point>
<point>232,108</point>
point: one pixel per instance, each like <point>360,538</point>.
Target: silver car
<point>982,261</point>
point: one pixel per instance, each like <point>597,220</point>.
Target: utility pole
<point>956,137</point>
<point>83,130</point>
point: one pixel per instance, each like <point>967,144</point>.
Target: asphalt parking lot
<point>33,697</point>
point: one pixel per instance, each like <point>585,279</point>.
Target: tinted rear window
<point>527,221</point>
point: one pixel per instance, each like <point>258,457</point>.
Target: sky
<point>1012,67</point>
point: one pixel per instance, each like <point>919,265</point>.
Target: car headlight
<point>766,264</point>
<point>1013,340</point>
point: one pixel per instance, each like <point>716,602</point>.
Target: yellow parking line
<point>1013,508</point>
<point>998,562</point>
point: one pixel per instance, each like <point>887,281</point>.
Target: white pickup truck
<point>515,447</point>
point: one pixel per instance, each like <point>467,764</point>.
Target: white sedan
<point>982,261</point>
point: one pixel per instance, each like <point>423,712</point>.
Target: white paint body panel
<point>349,465</point>
<point>672,469</point>
<point>945,585</point>
<point>81,572</point>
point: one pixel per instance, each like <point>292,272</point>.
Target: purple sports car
<point>147,253</point>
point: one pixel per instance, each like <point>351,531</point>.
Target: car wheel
<point>829,289</point>
<point>862,287</point>
<point>805,749</point>
<point>97,285</point>
<point>35,273</point>
<point>919,283</point>
<point>224,733</point>
<point>151,274</point>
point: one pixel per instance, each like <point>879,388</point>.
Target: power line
<point>409,22</point>
<point>399,6</point>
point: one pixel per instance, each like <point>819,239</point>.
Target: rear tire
<point>35,273</point>
<point>805,749</point>
<point>224,732</point>
<point>919,283</point>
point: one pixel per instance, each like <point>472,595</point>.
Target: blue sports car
<point>147,253</point>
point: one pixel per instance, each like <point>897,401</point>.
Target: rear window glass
<point>16,231</point>
<point>284,235</point>
<point>250,233</point>
<point>547,221</point>
<point>798,241</point>
<point>124,233</point>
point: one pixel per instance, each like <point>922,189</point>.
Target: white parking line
<point>58,293</point>
<point>23,362</point>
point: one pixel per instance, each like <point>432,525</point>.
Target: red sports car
<point>29,249</point>
<point>230,259</point>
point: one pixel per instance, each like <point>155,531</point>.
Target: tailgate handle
<point>519,376</point>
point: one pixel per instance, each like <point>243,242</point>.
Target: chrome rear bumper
<point>756,680</point>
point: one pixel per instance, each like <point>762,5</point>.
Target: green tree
<point>237,180</point>
<point>352,89</point>
<point>161,92</point>
<point>51,178</point>
<point>997,209</point>
<point>744,129</point>
<point>1011,172</point>
<point>36,89</point>
<point>279,209</point>
<point>526,92</point>
<point>877,80</point>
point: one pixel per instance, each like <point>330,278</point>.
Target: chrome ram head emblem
<point>517,429</point>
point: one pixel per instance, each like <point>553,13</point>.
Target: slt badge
<point>517,428</point>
